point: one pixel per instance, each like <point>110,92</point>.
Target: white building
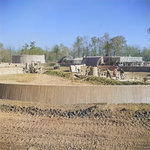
<point>28,58</point>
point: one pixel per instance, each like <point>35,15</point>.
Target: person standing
<point>115,72</point>
<point>108,73</point>
<point>121,73</point>
<point>99,71</point>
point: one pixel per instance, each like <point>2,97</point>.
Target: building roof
<point>78,58</point>
<point>122,59</point>
<point>65,57</point>
<point>91,61</point>
<point>130,59</point>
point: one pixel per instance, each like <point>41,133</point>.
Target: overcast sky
<point>50,22</point>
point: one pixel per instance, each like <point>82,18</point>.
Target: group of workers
<point>108,75</point>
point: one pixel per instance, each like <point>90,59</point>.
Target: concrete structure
<point>27,58</point>
<point>9,68</point>
<point>16,70</point>
<point>127,68</point>
<point>93,71</point>
<point>75,68</point>
<point>3,65</point>
<point>76,94</point>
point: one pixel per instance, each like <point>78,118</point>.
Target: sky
<point>51,22</point>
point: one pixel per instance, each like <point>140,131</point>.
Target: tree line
<point>82,47</point>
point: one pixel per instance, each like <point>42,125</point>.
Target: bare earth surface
<point>35,126</point>
<point>41,79</point>
<point>44,79</point>
<point>31,126</point>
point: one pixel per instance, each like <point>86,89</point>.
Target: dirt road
<point>89,127</point>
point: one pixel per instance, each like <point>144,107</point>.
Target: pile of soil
<point>93,112</point>
<point>28,126</point>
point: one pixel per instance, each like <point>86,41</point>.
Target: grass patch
<point>59,73</point>
<point>65,69</point>
<point>19,77</point>
<point>105,81</point>
<point>48,64</point>
<point>94,80</point>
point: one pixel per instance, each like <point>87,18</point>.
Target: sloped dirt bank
<point>91,112</point>
<point>92,126</point>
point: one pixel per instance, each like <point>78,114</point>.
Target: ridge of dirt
<point>31,126</point>
<point>93,112</point>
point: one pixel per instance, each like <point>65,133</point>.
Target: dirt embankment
<point>92,126</point>
<point>92,112</point>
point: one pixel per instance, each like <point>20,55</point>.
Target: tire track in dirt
<point>25,131</point>
<point>88,128</point>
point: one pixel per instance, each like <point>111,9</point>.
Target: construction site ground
<point>38,126</point>
<point>55,80</point>
<point>35,126</point>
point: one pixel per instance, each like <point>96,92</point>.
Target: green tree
<point>78,45</point>
<point>46,53</point>
<point>72,52</point>
<point>64,50</point>
<point>86,49</point>
<point>100,45</point>
<point>146,54</point>
<point>107,44</point>
<point>32,44</point>
<point>94,45</point>
<point>130,51</point>
<point>24,50</point>
<point>33,50</point>
<point>5,53</point>
<point>117,44</point>
<point>56,50</point>
<point>1,46</point>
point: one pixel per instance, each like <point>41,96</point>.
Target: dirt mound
<point>92,112</point>
<point>26,126</point>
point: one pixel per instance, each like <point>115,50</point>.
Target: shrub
<point>59,73</point>
<point>105,81</point>
<point>94,80</point>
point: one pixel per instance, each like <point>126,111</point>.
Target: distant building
<point>66,60</point>
<point>93,61</point>
<point>27,58</point>
<point>69,60</point>
<point>111,60</point>
<point>102,60</point>
<point>77,60</point>
<point>122,61</point>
